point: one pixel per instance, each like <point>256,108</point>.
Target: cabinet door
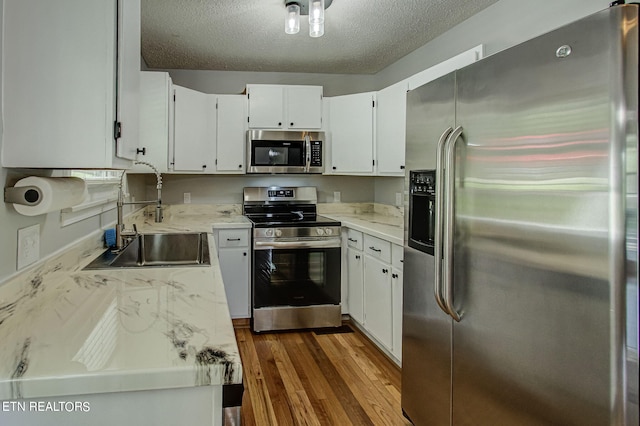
<point>231,133</point>
<point>396,300</point>
<point>266,106</point>
<point>155,96</point>
<point>128,111</point>
<point>194,131</point>
<point>304,107</point>
<point>351,128</point>
<point>58,72</point>
<point>377,300</point>
<point>355,281</point>
<point>234,265</point>
<point>391,107</point>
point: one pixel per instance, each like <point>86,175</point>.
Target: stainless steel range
<point>296,260</point>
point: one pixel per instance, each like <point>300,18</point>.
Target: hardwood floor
<point>301,378</point>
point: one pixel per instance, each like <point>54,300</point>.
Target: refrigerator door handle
<point>437,237</point>
<point>447,244</point>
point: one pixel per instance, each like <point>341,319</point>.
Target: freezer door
<point>539,242</point>
<point>426,334</point>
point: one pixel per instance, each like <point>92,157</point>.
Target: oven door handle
<point>269,245</point>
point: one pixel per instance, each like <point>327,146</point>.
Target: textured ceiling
<point>361,36</point>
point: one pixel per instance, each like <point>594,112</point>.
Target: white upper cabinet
<point>351,127</point>
<point>59,78</point>
<point>231,133</point>
<point>156,121</point>
<point>303,106</point>
<point>194,140</point>
<point>128,110</point>
<point>284,107</point>
<point>391,108</point>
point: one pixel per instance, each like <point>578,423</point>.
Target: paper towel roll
<point>51,194</point>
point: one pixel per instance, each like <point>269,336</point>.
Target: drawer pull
<point>375,249</point>
<point>394,275</point>
<point>353,240</point>
<point>384,271</point>
<point>357,256</point>
<point>233,239</point>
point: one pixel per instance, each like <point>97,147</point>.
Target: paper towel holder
<point>25,195</point>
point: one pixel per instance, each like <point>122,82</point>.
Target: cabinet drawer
<point>397,256</point>
<point>354,239</point>
<point>375,247</point>
<point>233,238</point>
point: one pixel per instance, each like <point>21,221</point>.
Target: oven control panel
<point>280,193</point>
<point>317,232</point>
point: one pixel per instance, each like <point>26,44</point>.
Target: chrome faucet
<point>123,235</point>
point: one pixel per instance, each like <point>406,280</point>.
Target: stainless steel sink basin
<point>158,250</point>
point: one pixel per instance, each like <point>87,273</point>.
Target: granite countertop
<point>385,222</point>
<point>65,331</point>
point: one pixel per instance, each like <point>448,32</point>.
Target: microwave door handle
<point>307,149</point>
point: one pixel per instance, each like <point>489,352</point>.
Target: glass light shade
<point>292,20</point>
<point>316,30</point>
<point>316,12</point>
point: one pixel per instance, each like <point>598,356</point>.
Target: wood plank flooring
<point>300,378</point>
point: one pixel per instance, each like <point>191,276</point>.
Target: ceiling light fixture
<point>313,8</point>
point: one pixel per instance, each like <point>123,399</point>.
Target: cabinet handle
<point>291,124</point>
<point>384,271</point>
<point>233,239</point>
<point>204,166</point>
<point>357,256</point>
<point>244,254</point>
<point>353,240</point>
<point>394,275</point>
<point>402,167</point>
<point>240,166</point>
<point>375,249</point>
<point>280,123</point>
<point>334,167</point>
<point>142,151</point>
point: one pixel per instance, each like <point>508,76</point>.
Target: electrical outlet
<point>28,246</point>
<point>398,199</point>
<point>187,197</point>
<point>336,196</point>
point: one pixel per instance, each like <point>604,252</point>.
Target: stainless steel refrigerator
<point>522,179</point>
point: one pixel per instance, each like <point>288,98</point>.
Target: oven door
<point>296,273</point>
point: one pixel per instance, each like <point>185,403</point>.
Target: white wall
<point>500,26</point>
<point>234,82</point>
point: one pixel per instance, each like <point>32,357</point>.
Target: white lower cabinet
<point>374,288</point>
<point>233,254</point>
<point>377,300</point>
<point>355,279</point>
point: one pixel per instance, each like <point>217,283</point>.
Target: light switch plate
<point>28,246</point>
<point>399,199</point>
<point>187,197</point>
<point>336,196</point>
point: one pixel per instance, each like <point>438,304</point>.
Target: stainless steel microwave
<point>277,151</point>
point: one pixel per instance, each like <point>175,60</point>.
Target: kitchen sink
<point>158,250</point>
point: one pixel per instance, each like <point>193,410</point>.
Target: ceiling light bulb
<point>292,20</point>
<point>316,30</point>
<point>316,12</point>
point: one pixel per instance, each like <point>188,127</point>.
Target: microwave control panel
<point>316,153</point>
